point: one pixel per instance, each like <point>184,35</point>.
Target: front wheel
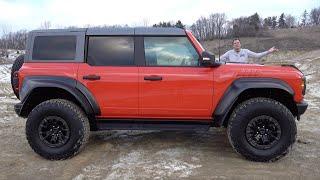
<point>262,129</point>
<point>57,129</point>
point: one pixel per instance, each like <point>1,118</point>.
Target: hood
<point>257,70</point>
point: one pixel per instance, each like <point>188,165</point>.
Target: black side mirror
<point>208,59</point>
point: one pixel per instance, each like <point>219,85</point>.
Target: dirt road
<point>162,154</point>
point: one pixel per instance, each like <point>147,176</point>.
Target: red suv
<point>74,81</point>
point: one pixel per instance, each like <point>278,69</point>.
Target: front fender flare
<point>239,86</point>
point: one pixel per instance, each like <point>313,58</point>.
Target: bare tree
<point>145,22</point>
<point>290,21</point>
<point>208,28</point>
<point>45,25</point>
<point>87,26</point>
<point>212,25</point>
<point>4,43</point>
<point>11,40</point>
<point>221,20</point>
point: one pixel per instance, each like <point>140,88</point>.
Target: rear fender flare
<point>72,86</point>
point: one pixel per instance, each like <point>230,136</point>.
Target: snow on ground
<point>162,167</point>
<point>11,100</point>
<point>314,89</point>
<point>149,161</point>
<point>5,71</point>
<point>13,54</point>
<point>5,89</point>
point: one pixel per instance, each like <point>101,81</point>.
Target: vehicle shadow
<point>213,142</point>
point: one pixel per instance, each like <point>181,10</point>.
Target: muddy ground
<point>162,154</point>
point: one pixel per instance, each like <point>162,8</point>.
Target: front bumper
<point>301,107</point>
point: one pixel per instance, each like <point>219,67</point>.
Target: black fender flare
<point>240,85</point>
<point>72,86</point>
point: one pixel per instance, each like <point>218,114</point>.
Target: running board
<point>111,124</point>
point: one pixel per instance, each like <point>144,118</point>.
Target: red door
<point>116,91</point>
<point>173,84</point>
<point>176,92</point>
<point>112,76</point>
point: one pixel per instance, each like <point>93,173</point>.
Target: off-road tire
<point>255,107</point>
<point>74,117</point>
<point>17,64</point>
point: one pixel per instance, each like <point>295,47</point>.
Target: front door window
<point>170,51</point>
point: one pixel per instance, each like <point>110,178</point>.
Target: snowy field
<point>5,70</point>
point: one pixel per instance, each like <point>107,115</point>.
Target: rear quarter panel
<point>48,69</point>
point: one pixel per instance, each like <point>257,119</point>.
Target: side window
<point>169,51</point>
<point>54,48</point>
<point>111,51</point>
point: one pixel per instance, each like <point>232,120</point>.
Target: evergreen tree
<point>254,21</point>
<point>315,16</point>
<point>236,30</point>
<point>267,22</point>
<point>274,22</point>
<point>179,25</point>
<point>304,20</point>
<point>282,21</point>
<point>168,24</point>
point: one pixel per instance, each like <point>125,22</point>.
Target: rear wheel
<point>262,129</point>
<point>17,64</point>
<point>57,129</point>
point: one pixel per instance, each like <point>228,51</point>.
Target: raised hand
<point>273,49</point>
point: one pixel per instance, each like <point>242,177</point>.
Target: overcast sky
<point>29,14</point>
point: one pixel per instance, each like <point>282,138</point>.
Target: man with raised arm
<point>239,55</point>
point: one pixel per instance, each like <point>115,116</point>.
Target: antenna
<point>219,44</point>
<point>219,39</point>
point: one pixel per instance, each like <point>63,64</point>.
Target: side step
<point>108,124</point>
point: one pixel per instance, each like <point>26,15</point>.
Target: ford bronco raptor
<point>74,81</point>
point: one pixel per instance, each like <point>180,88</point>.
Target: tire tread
<point>242,108</point>
<point>80,115</point>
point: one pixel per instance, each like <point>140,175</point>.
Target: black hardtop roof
<point>119,31</point>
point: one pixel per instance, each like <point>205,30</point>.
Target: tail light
<point>15,82</point>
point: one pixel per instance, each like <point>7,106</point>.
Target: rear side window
<point>170,51</point>
<point>54,48</point>
<point>111,51</point>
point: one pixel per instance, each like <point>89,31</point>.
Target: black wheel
<point>57,129</point>
<point>262,129</point>
<point>17,64</point>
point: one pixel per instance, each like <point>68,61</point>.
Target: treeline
<point>14,40</point>
<point>178,24</point>
<point>205,28</point>
<point>217,26</point>
<point>214,26</point>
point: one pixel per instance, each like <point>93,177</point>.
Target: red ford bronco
<point>74,81</point>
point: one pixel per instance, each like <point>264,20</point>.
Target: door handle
<point>153,78</point>
<point>91,77</point>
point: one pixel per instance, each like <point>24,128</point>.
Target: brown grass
<point>295,39</point>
